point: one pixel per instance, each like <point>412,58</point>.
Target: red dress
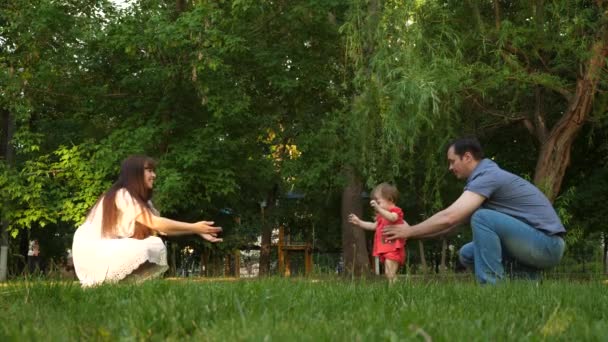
<point>392,250</point>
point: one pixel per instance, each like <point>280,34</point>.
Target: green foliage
<point>408,94</point>
<point>239,99</point>
<point>199,90</point>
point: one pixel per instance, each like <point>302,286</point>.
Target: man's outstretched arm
<point>455,214</point>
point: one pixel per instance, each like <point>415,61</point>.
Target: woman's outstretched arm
<point>173,227</point>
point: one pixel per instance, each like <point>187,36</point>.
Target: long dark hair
<point>131,178</point>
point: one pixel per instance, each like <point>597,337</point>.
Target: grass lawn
<point>277,309</point>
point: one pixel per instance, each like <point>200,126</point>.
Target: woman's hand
<point>211,237</point>
<point>141,231</point>
<point>209,232</point>
<point>205,227</point>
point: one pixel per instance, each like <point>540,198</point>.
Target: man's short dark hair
<point>463,145</point>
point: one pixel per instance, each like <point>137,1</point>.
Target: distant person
<point>33,256</point>
<point>511,219</point>
<point>67,271</point>
<point>391,253</point>
<point>105,248</point>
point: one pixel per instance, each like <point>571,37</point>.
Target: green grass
<point>304,309</point>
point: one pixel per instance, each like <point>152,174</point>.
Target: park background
<point>270,114</point>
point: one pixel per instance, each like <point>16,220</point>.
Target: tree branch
<point>501,114</point>
<point>476,15</point>
<point>121,95</point>
<point>508,118</point>
<point>562,91</point>
<point>493,126</point>
<point>512,49</point>
<point>540,126</point>
<point>497,14</point>
<point>600,4</point>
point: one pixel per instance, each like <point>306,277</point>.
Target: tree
<point>522,55</point>
<point>420,71</point>
<point>6,153</point>
<point>550,57</point>
<point>41,46</point>
<point>201,86</point>
<point>396,103</point>
<point>295,53</point>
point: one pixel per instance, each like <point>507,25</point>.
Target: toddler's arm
<point>389,215</point>
<point>352,218</point>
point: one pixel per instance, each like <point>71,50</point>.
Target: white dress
<point>98,259</point>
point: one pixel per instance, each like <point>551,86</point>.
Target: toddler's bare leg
<point>390,268</point>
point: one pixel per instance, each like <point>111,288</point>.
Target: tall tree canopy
<point>244,101</point>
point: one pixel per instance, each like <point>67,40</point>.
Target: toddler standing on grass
<point>391,253</point>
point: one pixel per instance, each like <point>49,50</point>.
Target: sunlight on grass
<point>558,323</point>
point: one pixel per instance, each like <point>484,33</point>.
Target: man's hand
<point>397,231</point>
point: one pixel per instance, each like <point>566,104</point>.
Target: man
<point>510,218</point>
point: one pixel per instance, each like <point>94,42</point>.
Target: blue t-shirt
<point>514,196</point>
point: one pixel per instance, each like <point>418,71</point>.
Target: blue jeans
<point>499,238</point>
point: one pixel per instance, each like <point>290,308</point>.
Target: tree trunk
<point>265,245</point>
<point>444,250</point>
<point>605,255</point>
<point>423,265</point>
<point>204,267</point>
<point>354,247</point>
<point>554,155</point>
<point>180,6</point>
<point>172,259</point>
<point>267,225</point>
<point>228,265</point>
<point>6,153</point>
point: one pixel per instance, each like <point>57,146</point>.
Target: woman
<point>115,241</point>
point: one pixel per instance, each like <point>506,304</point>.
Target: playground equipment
<point>232,264</point>
<point>285,247</point>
